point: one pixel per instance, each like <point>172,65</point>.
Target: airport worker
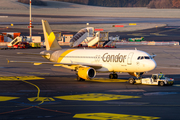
<point>161,75</point>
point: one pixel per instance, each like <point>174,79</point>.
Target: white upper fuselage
<point>110,60</point>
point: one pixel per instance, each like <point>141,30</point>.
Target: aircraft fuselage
<point>111,60</point>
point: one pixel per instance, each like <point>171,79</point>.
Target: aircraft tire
<point>161,83</point>
<point>131,80</point>
<point>111,76</point>
<point>115,76</point>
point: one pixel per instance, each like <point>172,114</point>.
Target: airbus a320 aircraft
<point>86,62</point>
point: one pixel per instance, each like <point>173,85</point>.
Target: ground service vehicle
<point>22,45</point>
<point>156,79</point>
<point>136,39</point>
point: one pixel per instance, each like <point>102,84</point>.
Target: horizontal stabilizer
<point>59,64</point>
<point>20,53</point>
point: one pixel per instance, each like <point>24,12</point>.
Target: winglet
<point>49,36</point>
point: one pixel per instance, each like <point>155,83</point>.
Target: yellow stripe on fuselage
<point>64,54</point>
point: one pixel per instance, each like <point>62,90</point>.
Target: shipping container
<point>35,39</point>
<point>13,34</point>
<point>9,36</point>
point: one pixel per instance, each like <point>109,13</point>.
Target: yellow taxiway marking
<point>19,78</point>
<point>107,80</point>
<point>6,98</point>
<point>112,116</point>
<point>42,100</point>
<point>96,97</point>
<point>34,99</point>
<point>34,86</point>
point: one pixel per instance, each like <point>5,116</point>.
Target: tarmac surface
<point>167,33</point>
<point>87,19</point>
<point>52,93</point>
<point>47,92</point>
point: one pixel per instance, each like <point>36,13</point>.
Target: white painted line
<point>3,16</point>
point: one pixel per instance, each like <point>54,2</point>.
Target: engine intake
<point>86,73</point>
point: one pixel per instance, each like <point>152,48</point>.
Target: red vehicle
<point>22,45</point>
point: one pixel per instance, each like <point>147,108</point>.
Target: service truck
<point>156,79</point>
<point>22,43</point>
<point>136,39</point>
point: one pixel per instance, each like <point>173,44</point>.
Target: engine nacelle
<point>86,73</point>
<point>136,74</point>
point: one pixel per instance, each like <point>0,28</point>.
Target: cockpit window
<point>144,57</point>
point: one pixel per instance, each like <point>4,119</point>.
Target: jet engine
<point>136,74</point>
<point>86,73</point>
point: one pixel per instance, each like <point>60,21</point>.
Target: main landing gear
<point>113,76</point>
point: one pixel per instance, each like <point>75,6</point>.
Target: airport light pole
<point>30,22</point>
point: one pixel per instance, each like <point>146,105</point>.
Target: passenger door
<point>129,59</point>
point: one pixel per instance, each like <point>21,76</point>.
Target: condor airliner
<point>88,62</point>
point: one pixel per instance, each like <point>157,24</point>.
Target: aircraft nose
<point>151,65</point>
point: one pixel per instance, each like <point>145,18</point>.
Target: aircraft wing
<point>94,65</point>
<point>59,64</point>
